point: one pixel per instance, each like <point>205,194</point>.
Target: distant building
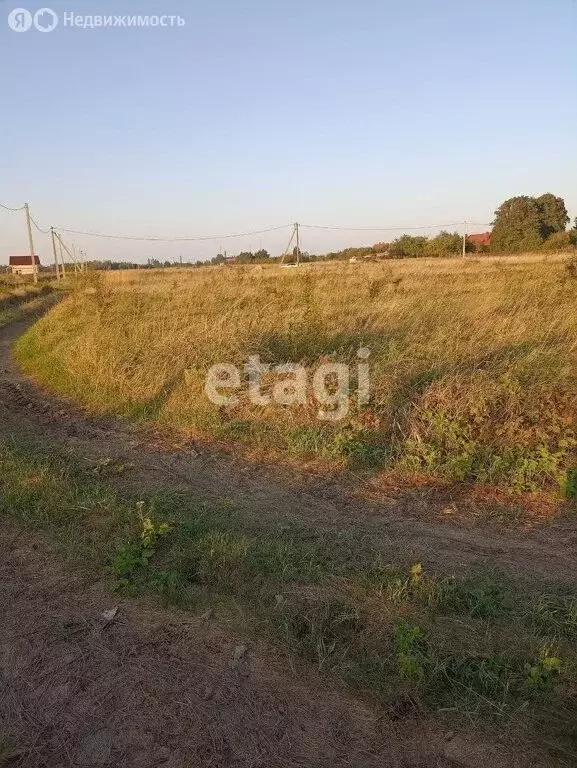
<point>480,241</point>
<point>23,265</point>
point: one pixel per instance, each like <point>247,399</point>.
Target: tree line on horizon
<point>521,224</point>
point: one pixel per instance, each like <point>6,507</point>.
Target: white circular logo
<point>20,20</point>
<point>45,20</point>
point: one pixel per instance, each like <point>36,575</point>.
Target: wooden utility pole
<point>62,265</point>
<point>287,249</point>
<point>464,238</point>
<point>72,256</point>
<point>55,253</point>
<point>31,243</point>
<point>298,243</point>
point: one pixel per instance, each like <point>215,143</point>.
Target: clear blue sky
<point>259,113</point>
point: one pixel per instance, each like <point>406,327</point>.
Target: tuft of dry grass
<point>473,362</point>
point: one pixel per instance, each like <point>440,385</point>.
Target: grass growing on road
<point>473,363</point>
<point>478,646</point>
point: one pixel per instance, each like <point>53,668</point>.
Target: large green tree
<point>523,223</point>
<point>554,217</point>
<point>408,246</point>
<point>445,244</point>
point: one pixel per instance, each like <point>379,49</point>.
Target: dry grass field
<point>450,638</point>
<point>18,298</point>
<point>473,362</point>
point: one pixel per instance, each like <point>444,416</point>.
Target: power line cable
<point>173,239</point>
<point>8,208</point>
<point>395,229</point>
<point>245,234</point>
<point>44,231</point>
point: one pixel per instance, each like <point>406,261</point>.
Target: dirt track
<point>154,688</point>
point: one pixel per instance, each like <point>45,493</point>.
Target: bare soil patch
<point>154,687</point>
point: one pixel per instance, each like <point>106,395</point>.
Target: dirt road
<point>156,688</point>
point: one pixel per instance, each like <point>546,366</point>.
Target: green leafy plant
<point>569,483</point>
<point>543,674</point>
<point>136,555</point>
<point>411,651</point>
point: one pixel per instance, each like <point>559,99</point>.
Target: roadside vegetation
<point>473,362</point>
<point>478,648</point>
<point>18,301</point>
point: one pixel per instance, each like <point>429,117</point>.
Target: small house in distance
<point>23,265</point>
<point>481,241</point>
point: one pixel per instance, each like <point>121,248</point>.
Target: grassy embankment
<point>473,363</point>
<point>18,302</point>
<point>476,651</point>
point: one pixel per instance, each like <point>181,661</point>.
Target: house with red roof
<point>23,265</point>
<point>480,241</point>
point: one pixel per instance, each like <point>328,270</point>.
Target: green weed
<point>542,675</point>
<point>134,556</point>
